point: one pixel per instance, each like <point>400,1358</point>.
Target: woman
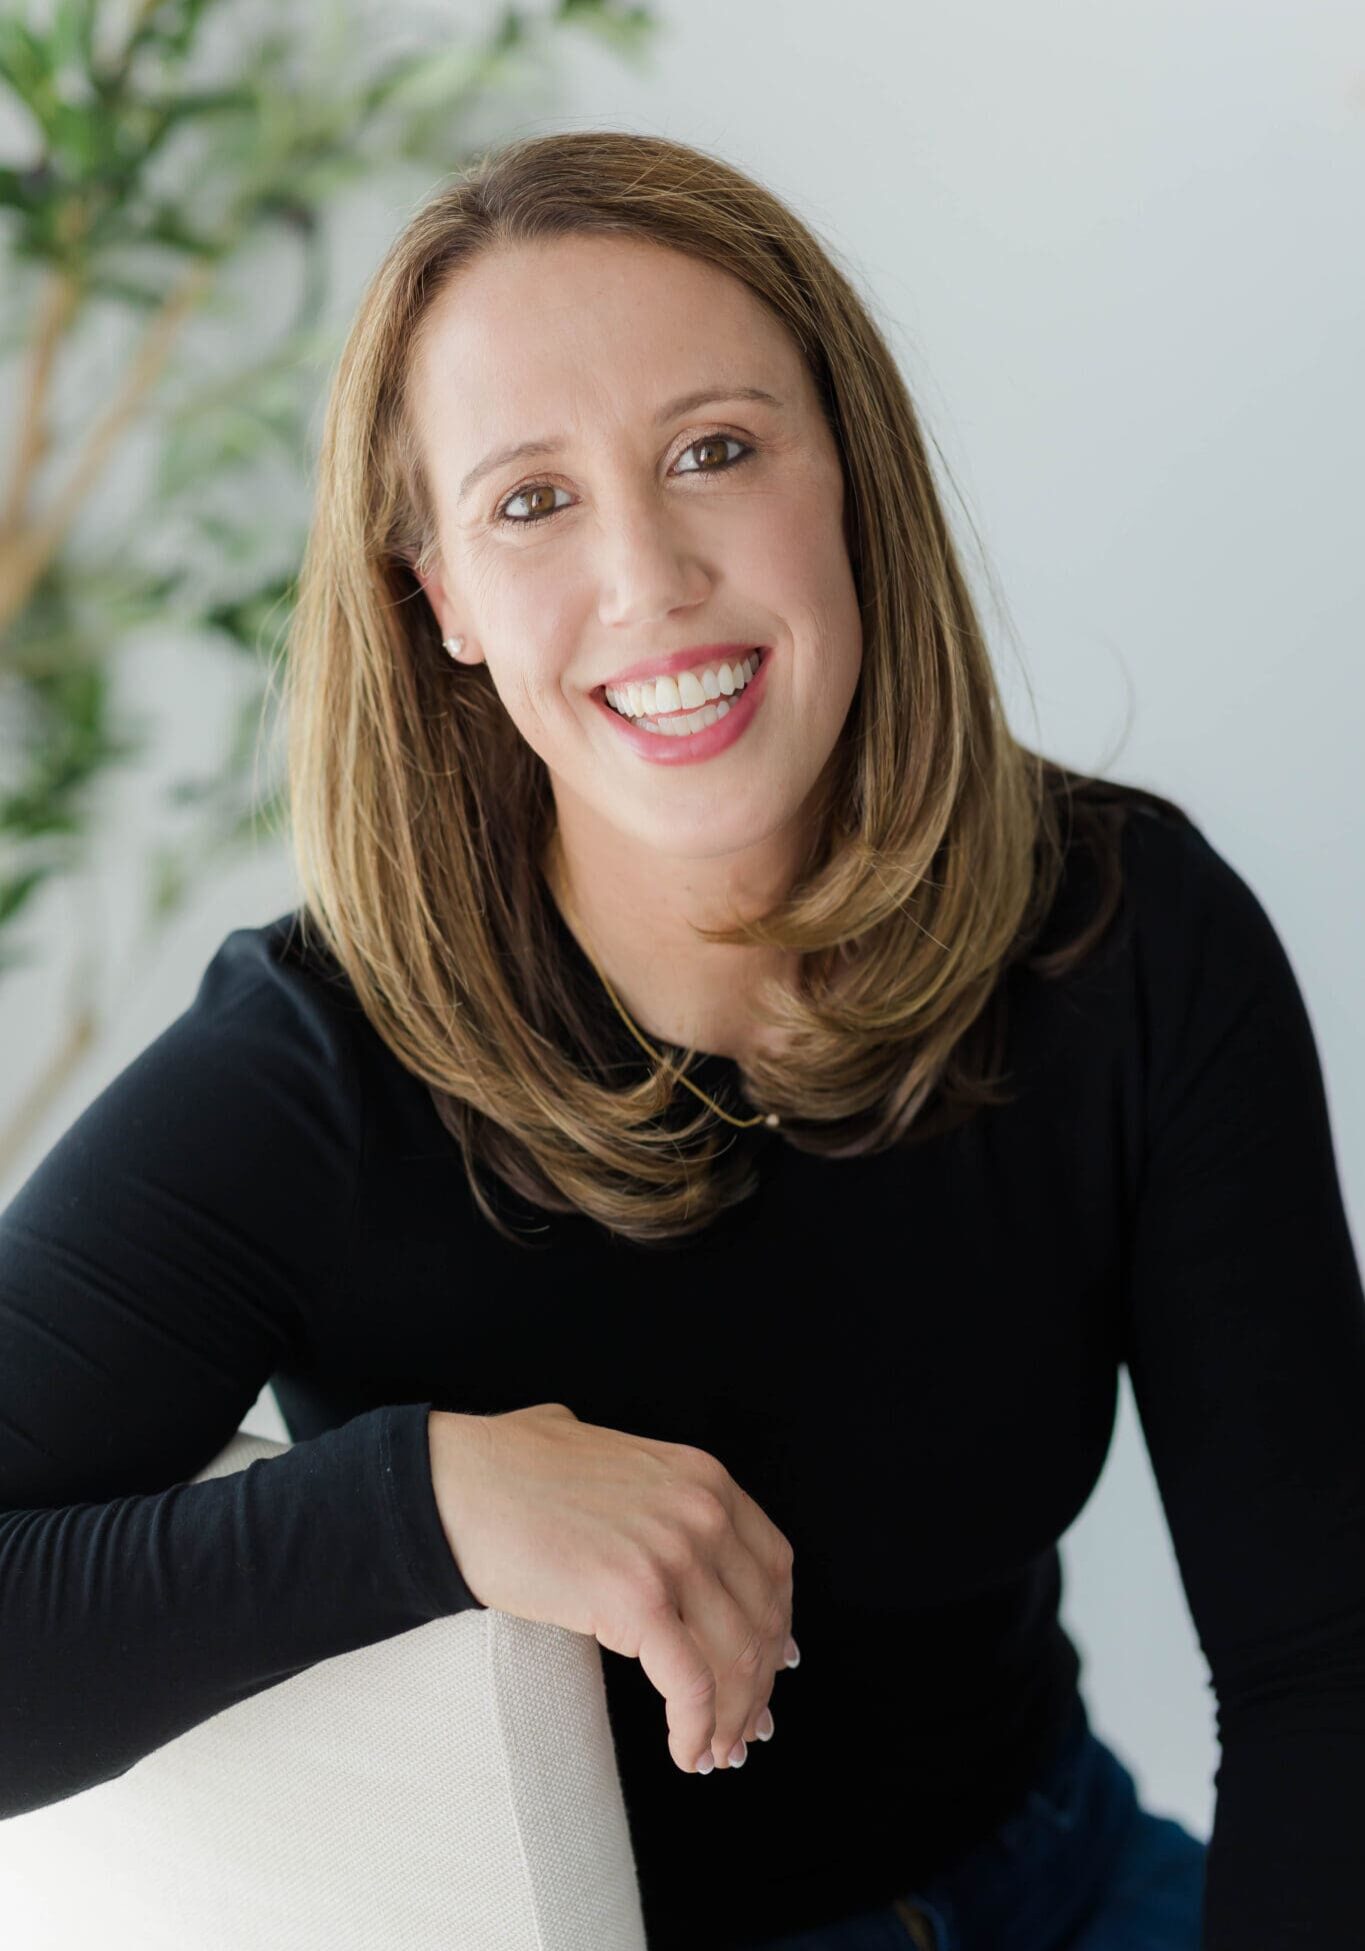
<point>695,1160</point>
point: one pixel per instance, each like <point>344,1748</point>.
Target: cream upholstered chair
<point>453,1788</point>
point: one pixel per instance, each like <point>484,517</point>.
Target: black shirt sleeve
<point>1246,1349</point>
<point>153,1271</point>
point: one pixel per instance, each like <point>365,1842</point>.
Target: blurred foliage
<point>145,188</point>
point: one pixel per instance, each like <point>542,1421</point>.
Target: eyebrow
<point>549,443</point>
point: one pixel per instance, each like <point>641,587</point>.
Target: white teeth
<point>683,724</point>
<point>689,690</point>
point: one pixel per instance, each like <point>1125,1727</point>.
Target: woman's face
<point>645,527</point>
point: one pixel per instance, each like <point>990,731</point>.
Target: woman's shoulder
<point>1144,888</point>
<point>273,973</point>
<point>1202,949</point>
<point>1188,895</point>
<point>1166,869</point>
<point>276,1002</point>
<point>269,1023</point>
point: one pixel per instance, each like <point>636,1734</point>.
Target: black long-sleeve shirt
<point>909,1360</point>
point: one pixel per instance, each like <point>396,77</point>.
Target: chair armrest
<point>453,1788</point>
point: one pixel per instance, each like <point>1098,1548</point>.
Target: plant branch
<point>61,296</point>
<point>58,305</point>
<point>25,552</point>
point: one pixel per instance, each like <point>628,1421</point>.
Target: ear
<point>434,589</point>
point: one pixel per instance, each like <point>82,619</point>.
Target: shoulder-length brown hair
<point>419,814</point>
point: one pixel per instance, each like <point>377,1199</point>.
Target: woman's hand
<point>651,1547</point>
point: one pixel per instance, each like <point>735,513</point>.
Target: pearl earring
<point>453,644</point>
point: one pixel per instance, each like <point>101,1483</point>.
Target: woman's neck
<point>695,995</point>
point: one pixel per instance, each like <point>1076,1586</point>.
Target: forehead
<point>535,338</point>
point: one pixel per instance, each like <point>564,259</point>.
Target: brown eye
<point>716,446</point>
<point>538,488</point>
<point>717,441</point>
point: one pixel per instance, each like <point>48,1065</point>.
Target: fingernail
<point>706,1764</point>
<point>738,1755</point>
<point>792,1656</point>
<point>764,1729</point>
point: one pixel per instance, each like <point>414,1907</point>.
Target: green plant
<point>145,190</point>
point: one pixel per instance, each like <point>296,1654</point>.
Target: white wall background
<point>1117,250</point>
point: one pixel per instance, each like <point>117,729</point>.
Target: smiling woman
<point>614,413</point>
<point>846,1380</point>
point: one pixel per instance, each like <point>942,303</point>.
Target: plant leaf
<point>26,67</point>
<point>15,889</point>
<point>73,35</point>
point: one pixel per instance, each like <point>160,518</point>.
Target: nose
<point>650,568</point>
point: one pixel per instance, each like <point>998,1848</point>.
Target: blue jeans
<point>1079,1866</point>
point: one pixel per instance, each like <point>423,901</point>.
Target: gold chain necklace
<point>743,1124</point>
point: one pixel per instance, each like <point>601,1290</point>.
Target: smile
<point>687,731</point>
<point>689,691</point>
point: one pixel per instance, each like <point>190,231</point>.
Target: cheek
<point>798,543</point>
<point>531,694</point>
<point>823,607</point>
<point>543,703</point>
<point>516,588</point>
<point>525,618</point>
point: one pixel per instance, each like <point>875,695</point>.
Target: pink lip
<point>693,746</point>
<point>678,660</point>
